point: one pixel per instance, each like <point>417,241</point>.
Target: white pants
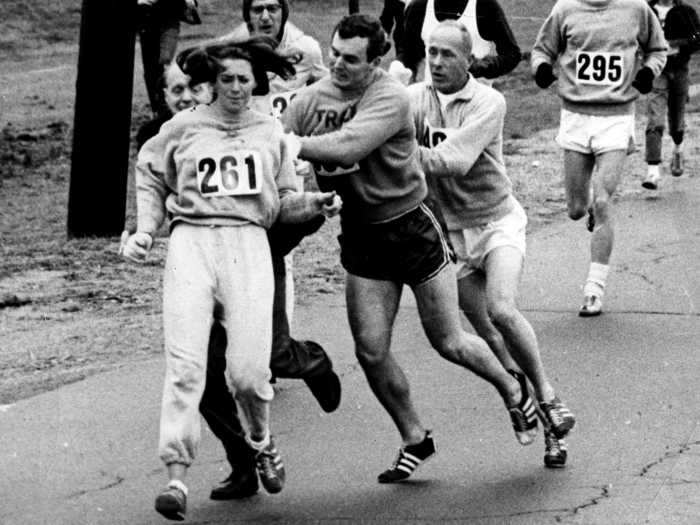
<point>230,264</point>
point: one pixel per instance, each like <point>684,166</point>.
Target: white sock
<point>258,445</point>
<point>595,282</point>
<point>178,484</point>
<point>653,170</point>
<point>678,147</point>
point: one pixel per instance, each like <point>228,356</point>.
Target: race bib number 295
<point>599,69</point>
<point>233,173</point>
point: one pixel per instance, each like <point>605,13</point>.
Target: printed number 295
<point>603,69</point>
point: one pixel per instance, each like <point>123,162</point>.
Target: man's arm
<point>412,52</point>
<point>378,118</point>
<point>493,26</point>
<point>690,42</point>
<point>456,155</point>
<point>653,42</point>
<point>548,42</point>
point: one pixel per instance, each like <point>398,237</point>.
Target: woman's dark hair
<point>365,26</point>
<point>203,63</point>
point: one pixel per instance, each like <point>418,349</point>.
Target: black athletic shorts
<point>410,249</point>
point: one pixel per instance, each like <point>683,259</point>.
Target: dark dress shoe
<point>240,484</point>
<point>326,389</point>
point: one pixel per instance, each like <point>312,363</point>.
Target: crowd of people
<point>411,160</point>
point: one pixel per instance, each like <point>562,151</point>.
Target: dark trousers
<point>158,38</point>
<point>289,358</point>
<point>666,101</point>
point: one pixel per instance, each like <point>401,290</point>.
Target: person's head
<point>179,92</point>
<point>176,89</point>
<point>236,71</point>
<point>357,46</point>
<point>266,17</point>
<point>449,56</point>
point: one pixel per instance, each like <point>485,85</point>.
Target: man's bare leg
<point>372,307</point>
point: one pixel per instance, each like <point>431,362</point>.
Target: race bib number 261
<point>229,174</point>
<point>599,69</point>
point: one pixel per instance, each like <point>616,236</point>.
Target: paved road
<point>85,454</point>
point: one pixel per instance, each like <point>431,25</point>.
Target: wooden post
<point>354,6</point>
<point>102,119</point>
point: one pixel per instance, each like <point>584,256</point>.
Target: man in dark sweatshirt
<point>669,93</point>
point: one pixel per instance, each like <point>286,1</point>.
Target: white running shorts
<point>472,245</point>
<point>596,133</point>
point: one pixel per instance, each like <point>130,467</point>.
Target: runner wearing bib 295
<point>596,43</point>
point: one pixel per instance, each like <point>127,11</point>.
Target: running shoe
<point>524,414</point>
<point>651,181</point>
<point>677,164</point>
<point>241,483</point>
<point>559,417</point>
<point>326,389</point>
<point>408,460</point>
<point>555,452</point>
<point>270,468</point>
<point>592,306</point>
<point>172,502</point>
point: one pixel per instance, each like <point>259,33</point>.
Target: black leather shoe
<point>326,389</point>
<point>240,484</point>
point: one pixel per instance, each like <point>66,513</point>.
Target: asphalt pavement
<point>86,453</point>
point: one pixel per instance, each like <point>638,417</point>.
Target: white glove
<point>331,204</point>
<point>135,247</point>
<point>400,72</point>
<point>302,168</point>
<point>293,144</point>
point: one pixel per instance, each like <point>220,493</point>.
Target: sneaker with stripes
<point>172,502</point>
<point>555,451</point>
<point>560,418</point>
<point>270,468</point>
<point>524,414</point>
<point>408,460</point>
